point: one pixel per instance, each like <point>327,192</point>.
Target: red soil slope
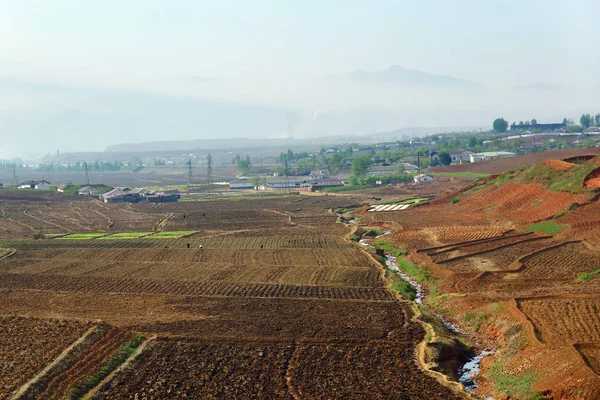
<point>503,165</point>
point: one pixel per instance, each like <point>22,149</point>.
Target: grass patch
<point>454,200</point>
<point>169,235</point>
<point>588,276</point>
<point>570,181</point>
<point>408,267</point>
<point>559,214</point>
<point>109,365</point>
<point>402,287</point>
<point>127,235</point>
<point>548,227</point>
<point>345,188</point>
<point>389,248</point>
<point>373,233</point>
<point>83,236</point>
<point>537,203</point>
<point>466,175</point>
<point>54,235</point>
<point>474,320</point>
<point>518,386</point>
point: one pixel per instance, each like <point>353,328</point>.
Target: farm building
<point>163,197</point>
<point>240,186</point>
<point>61,188</point>
<point>423,178</point>
<point>490,155</point>
<point>120,195</point>
<point>37,185</point>
<point>460,156</point>
<point>317,185</point>
<point>94,189</point>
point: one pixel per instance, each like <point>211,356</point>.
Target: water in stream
<point>469,371</point>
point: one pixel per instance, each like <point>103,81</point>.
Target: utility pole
<point>209,172</point>
<point>15,181</point>
<point>87,173</point>
<point>418,173</point>
<point>286,180</point>
<point>189,165</point>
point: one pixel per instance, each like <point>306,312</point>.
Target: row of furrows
<point>201,289</point>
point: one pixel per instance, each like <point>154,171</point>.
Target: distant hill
<point>400,75</point>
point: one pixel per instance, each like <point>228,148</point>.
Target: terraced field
<point>564,320</point>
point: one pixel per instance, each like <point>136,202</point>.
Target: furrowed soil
<point>515,261</point>
<point>266,298</point>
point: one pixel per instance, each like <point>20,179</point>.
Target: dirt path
<point>20,394</point>
<point>93,394</point>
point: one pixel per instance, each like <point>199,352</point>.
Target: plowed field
<point>276,304</point>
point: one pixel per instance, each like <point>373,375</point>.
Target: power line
<point>87,173</point>
<point>209,172</point>
<point>286,181</point>
<point>14,181</point>
<point>189,166</point>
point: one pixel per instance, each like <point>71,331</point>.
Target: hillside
<point>515,261</point>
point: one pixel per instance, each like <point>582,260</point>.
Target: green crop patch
<point>548,227</point>
<point>170,235</point>
<point>126,235</point>
<point>83,236</point>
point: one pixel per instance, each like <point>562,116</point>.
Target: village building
<point>460,156</point>
<point>423,178</point>
<point>490,155</point>
<point>35,184</point>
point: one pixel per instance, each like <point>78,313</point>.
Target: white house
<point>460,156</point>
<point>490,155</point>
<point>423,178</point>
<point>37,185</point>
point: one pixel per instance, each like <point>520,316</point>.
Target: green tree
<point>256,181</point>
<point>445,158</point>
<point>597,119</point>
<point>585,120</point>
<point>565,121</point>
<point>500,125</point>
<point>400,168</point>
<point>360,165</point>
<point>472,142</point>
<point>534,121</point>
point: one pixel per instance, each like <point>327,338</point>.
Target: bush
<point>454,200</point>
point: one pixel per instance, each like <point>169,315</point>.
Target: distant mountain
<point>541,86</point>
<point>400,75</point>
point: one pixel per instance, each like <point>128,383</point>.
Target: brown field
<point>27,345</point>
<point>277,303</point>
<point>559,321</point>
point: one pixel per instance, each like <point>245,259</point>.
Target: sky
<point>295,54</point>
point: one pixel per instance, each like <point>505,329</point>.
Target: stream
<point>469,371</point>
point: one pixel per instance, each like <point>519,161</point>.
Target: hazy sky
<point>116,42</point>
<point>83,74</point>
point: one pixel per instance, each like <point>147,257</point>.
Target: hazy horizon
<point>79,77</point>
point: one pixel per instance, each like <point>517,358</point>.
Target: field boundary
<point>519,263</point>
<point>93,394</point>
<point>466,242</point>
<point>477,253</point>
<point>51,368</point>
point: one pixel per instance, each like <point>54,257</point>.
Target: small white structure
<point>423,178</point>
<point>490,155</point>
<point>37,185</point>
